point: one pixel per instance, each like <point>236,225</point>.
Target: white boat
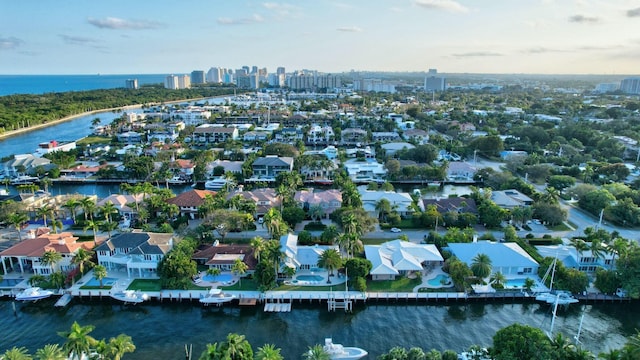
<point>337,351</point>
<point>557,297</point>
<point>33,294</point>
<point>177,180</point>
<point>216,296</point>
<point>24,180</point>
<point>129,296</point>
<point>215,184</point>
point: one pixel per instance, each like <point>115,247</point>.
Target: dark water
<point>160,331</point>
<point>40,84</point>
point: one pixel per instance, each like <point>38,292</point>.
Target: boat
<point>337,351</point>
<point>215,184</point>
<point>177,180</point>
<point>24,180</point>
<point>130,296</point>
<point>557,297</point>
<point>33,294</point>
<point>216,296</point>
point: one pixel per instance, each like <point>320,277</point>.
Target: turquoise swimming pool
<point>440,281</point>
<point>309,278</point>
<point>105,282</point>
<point>218,278</point>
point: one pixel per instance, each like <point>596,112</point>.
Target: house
<point>269,167</point>
<point>507,258</point>
<point>301,257</point>
<point>129,137</point>
<point>223,256</point>
<point>228,165</point>
<point>255,136</point>
<point>191,115</point>
<point>328,200</point>
<point>183,167</point>
<point>452,204</point>
<point>393,147</point>
<point>583,261</point>
<point>141,251</point>
<point>509,199</point>
<point>126,204</point>
<point>331,152</point>
<point>27,254</point>
<point>23,164</point>
<point>384,136</point>
<point>417,136</point>
<point>401,202</point>
<point>189,201</point>
<point>288,135</point>
<point>264,198</point>
<point>365,171</point>
<point>320,135</point>
<point>399,258</point>
<point>460,171</point>
<point>208,134</point>
<point>353,136</point>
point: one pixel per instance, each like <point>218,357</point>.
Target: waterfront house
<point>393,147</point>
<point>353,136</point>
<point>129,137</point>
<point>251,136</point>
<point>126,204</point>
<point>134,252</point>
<point>267,168</point>
<point>509,199</point>
<point>189,201</point>
<point>583,261</point>
<point>23,164</point>
<point>228,165</point>
<point>328,200</point>
<point>27,254</point>
<point>209,134</point>
<point>460,171</point>
<point>365,171</point>
<point>81,171</point>
<point>320,135</point>
<point>508,258</point>
<point>400,201</point>
<point>459,205</point>
<point>288,135</point>
<point>384,136</point>
<point>301,257</point>
<point>399,258</point>
<point>264,198</point>
<point>223,256</point>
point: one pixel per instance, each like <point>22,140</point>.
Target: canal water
<point>160,330</point>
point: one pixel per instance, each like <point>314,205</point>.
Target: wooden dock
<point>247,302</point>
<point>64,300</point>
<point>277,307</point>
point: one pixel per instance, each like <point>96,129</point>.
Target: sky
<point>453,36</point>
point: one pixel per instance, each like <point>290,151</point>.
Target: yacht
<point>129,296</point>
<point>215,184</point>
<point>216,296</point>
<point>33,294</point>
<point>337,351</point>
<point>24,180</point>
<point>557,297</point>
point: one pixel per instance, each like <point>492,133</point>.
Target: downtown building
<point>433,82</point>
<point>176,82</point>
<point>630,85</point>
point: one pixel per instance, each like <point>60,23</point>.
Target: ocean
<point>40,84</point>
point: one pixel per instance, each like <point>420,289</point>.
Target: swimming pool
<point>218,278</point>
<point>516,283</point>
<point>105,282</point>
<point>440,281</point>
<point>10,282</point>
<point>309,278</point>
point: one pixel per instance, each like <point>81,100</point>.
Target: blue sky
<point>454,36</point>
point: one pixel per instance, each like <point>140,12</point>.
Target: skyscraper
<point>131,83</point>
<point>433,82</point>
<point>197,77</point>
<point>630,85</point>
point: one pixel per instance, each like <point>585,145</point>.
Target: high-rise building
<point>630,85</point>
<point>176,82</point>
<point>214,75</point>
<point>433,82</point>
<point>254,69</point>
<point>280,70</point>
<point>197,77</point>
<point>131,83</point>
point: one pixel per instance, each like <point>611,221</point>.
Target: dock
<point>64,300</point>
<point>277,307</point>
<point>248,301</point>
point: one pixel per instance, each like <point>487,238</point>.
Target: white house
<point>508,258</point>
<point>399,257</point>
<point>141,251</point>
<point>365,171</point>
<point>460,171</point>
<point>301,257</point>
<point>401,201</point>
<point>509,199</point>
<point>571,258</point>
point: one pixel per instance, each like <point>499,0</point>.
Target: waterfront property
<point>583,261</point>
<point>189,201</point>
<point>507,258</point>
<point>301,257</point>
<point>141,251</point>
<point>399,258</point>
<point>223,256</point>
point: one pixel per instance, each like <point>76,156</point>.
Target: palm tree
<point>78,341</point>
<point>43,212</point>
<point>269,352</point>
<point>99,273</point>
<point>383,207</point>
<point>274,223</point>
<point>620,248</point>
<point>330,259</point>
<point>481,266</point>
<point>529,283</point>
<point>109,227</point>
<point>107,210</point>
<point>57,279</point>
<point>17,219</point>
<point>239,268</point>
<point>36,280</point>
<point>81,258</point>
<point>258,246</point>
<point>51,352</point>
<point>71,205</point>
<point>88,207</point>
<point>316,352</point>
<point>51,258</point>
<point>16,353</point>
<point>214,271</point>
<point>94,225</point>
<point>350,223</point>
<point>580,246</point>
<point>236,348</point>
<point>316,212</point>
<point>119,346</point>
<point>274,254</point>
<point>498,279</point>
<point>56,224</point>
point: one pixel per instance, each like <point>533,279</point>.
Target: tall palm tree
<point>16,353</point>
<point>269,352</point>
<point>51,352</point>
<point>94,225</point>
<point>55,225</point>
<point>274,254</point>
<point>71,205</point>
<point>258,245</point>
<point>88,207</point>
<point>580,246</point>
<point>481,266</point>
<point>316,212</point>
<point>51,258</point>
<point>236,348</point>
<point>316,352</point>
<point>44,212</point>
<point>119,346</point>
<point>17,219</point>
<point>239,268</point>
<point>57,279</point>
<point>498,279</point>
<point>107,210</point>
<point>78,341</point>
<point>99,273</point>
<point>619,248</point>
<point>383,207</point>
<point>330,259</point>
<point>109,227</point>
<point>81,258</point>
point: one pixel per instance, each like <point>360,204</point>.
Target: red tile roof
<point>63,243</point>
<point>192,198</point>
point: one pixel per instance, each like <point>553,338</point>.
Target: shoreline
<point>10,133</point>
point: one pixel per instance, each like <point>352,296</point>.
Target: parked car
<point>395,230</point>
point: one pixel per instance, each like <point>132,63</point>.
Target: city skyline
<point>463,36</point>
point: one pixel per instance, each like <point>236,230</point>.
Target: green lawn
<point>90,287</point>
<point>559,227</point>
<point>401,285</point>
<point>374,241</point>
<point>145,285</point>
<point>245,284</point>
<point>91,140</point>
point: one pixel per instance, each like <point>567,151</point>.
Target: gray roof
<point>139,242</point>
<point>274,161</point>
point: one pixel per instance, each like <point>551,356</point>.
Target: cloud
<point>255,18</point>
<point>478,54</point>
<point>584,19</point>
<point>122,24</point>
<point>543,50</point>
<point>77,40</point>
<point>447,5</point>
<point>349,29</point>
<point>633,12</point>
<point>10,43</point>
